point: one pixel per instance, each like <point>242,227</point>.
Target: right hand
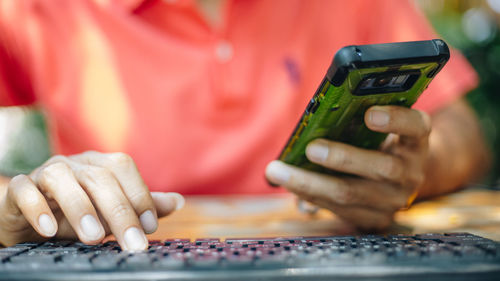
<point>85,196</point>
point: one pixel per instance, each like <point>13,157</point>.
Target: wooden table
<point>472,210</point>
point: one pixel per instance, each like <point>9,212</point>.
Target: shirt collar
<point>131,5</point>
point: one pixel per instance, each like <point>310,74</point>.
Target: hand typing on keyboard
<point>84,196</point>
<point>384,181</point>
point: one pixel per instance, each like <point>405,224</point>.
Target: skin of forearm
<point>458,153</point>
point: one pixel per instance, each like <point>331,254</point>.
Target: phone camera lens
<point>382,81</point>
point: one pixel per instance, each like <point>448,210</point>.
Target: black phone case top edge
<point>357,56</point>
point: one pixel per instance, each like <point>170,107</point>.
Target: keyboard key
<point>435,251</point>
<point>170,262</point>
<point>108,261</point>
<point>138,261</point>
<point>204,261</point>
<point>75,262</point>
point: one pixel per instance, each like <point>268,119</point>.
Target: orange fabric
<point>200,109</point>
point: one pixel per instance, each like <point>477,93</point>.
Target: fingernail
<point>90,227</point>
<point>148,221</point>
<point>379,118</point>
<point>46,225</point>
<point>317,152</point>
<point>278,172</point>
<point>135,240</point>
<point>179,200</point>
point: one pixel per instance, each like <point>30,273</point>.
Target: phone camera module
<point>386,82</point>
<point>382,81</point>
<point>400,80</point>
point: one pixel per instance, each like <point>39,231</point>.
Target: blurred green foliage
<point>28,147</point>
<point>451,19</point>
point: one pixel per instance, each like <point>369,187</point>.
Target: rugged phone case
<point>336,111</point>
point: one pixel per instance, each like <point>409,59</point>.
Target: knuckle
<point>121,210</point>
<point>93,177</point>
<point>140,199</point>
<point>423,125</point>
<point>426,130</point>
<point>56,168</point>
<point>340,157</point>
<point>17,180</point>
<point>391,168</point>
<point>121,159</point>
<point>53,172</point>
<point>343,196</point>
<point>303,187</point>
<point>78,202</point>
<point>93,173</point>
<point>426,123</point>
<point>57,158</point>
<point>86,156</point>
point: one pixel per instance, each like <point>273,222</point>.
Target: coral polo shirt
<point>200,108</point>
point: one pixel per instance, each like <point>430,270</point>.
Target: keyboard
<point>451,256</point>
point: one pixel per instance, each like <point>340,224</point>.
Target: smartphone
<point>358,78</point>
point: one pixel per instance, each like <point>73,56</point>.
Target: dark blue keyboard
<point>300,258</point>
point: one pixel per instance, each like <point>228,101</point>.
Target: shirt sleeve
<point>399,20</point>
<point>15,83</point>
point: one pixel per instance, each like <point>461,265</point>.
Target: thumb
<point>167,202</point>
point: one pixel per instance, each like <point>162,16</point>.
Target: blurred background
<point>472,26</point>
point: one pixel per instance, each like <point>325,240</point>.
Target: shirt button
<point>223,51</point>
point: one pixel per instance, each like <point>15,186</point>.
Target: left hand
<point>382,181</point>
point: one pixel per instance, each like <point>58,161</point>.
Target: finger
<point>403,121</point>
<point>58,180</point>
<point>345,192</point>
<point>167,202</point>
<point>345,158</point>
<point>30,201</point>
<point>125,171</point>
<point>113,205</point>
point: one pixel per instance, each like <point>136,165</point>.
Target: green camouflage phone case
<point>354,82</point>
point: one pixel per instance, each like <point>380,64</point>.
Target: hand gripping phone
<point>358,78</point>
